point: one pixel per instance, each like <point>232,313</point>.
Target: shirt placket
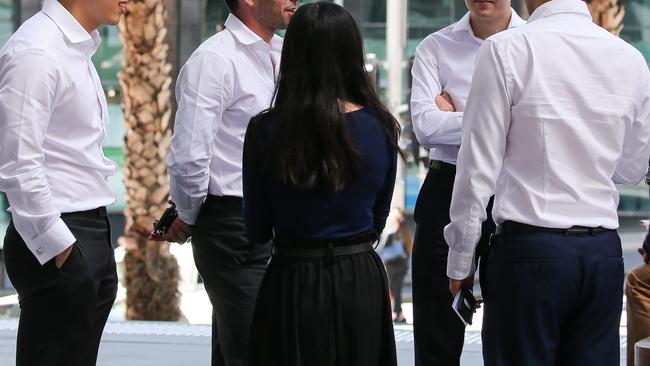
<point>101,101</point>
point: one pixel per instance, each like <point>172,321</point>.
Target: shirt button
<point>40,251</point>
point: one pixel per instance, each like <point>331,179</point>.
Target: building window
<point>6,20</point>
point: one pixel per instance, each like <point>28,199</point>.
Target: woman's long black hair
<point>322,65</point>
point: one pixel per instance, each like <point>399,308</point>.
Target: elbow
<point>420,134</point>
<point>631,177</point>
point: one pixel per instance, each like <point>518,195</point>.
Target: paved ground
<point>175,344</point>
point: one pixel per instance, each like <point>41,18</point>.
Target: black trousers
<point>396,270</point>
<point>63,311</point>
<point>232,269</point>
<point>439,334</point>
<point>553,300</point>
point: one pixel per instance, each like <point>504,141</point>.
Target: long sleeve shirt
<point>227,80</point>
<point>53,123</point>
<point>273,208</point>
<point>444,61</point>
<point>558,112</point>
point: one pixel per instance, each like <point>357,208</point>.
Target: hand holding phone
<point>464,305</point>
<point>162,225</point>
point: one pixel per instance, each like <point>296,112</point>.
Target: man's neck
<point>532,5</point>
<point>255,26</point>
<point>484,28</point>
<point>76,9</point>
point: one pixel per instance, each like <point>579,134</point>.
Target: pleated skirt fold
<point>332,311</point>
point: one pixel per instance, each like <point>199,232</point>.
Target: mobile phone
<point>464,305</point>
<point>166,220</point>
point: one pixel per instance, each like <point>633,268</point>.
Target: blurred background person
<point>395,253</point>
<point>319,171</point>
<point>637,292</point>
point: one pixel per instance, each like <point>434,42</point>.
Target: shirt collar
<point>560,6</point>
<point>464,25</point>
<point>70,27</point>
<point>247,36</point>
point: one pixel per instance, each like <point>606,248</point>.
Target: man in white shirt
<point>229,79</point>
<point>558,113</point>
<point>53,120</point>
<point>442,73</point>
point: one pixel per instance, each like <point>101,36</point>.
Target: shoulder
<point>434,41</point>
<point>37,38</point>
<point>509,35</point>
<point>367,123</point>
<point>639,277</point>
<point>210,61</point>
<point>222,43</point>
<point>260,126</point>
<point>220,49</point>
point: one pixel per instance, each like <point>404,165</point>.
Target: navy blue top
<point>276,209</point>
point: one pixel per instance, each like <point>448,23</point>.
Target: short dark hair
<point>233,5</point>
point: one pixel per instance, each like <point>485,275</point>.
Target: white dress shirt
<point>444,61</point>
<point>53,120</point>
<point>227,80</point>
<point>558,112</point>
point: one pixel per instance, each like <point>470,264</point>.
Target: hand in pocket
<point>60,259</point>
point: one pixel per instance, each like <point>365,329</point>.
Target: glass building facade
<point>424,17</point>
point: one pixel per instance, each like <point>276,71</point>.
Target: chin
<point>116,20</point>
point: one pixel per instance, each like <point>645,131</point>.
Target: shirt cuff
<point>52,243</point>
<point>189,216</point>
<point>460,265</point>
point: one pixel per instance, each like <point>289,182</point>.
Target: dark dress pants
<point>232,269</point>
<point>553,300</point>
<point>396,270</point>
<point>439,334</point>
<point>63,311</point>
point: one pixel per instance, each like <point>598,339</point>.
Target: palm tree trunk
<point>151,272</point>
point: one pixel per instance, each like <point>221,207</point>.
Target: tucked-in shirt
<point>273,208</point>
<point>227,80</point>
<point>444,61</point>
<point>53,121</point>
<point>558,112</point>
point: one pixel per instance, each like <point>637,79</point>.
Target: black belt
<point>441,165</point>
<point>232,200</point>
<point>512,227</point>
<point>330,251</point>
<point>95,212</point>
<point>230,203</point>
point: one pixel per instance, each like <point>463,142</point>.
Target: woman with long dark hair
<point>319,170</point>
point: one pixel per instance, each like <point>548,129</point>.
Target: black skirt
<point>327,311</point>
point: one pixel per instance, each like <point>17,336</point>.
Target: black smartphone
<point>166,220</point>
<point>464,305</point>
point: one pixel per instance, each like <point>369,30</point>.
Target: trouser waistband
<point>330,251</point>
<point>95,212</point>
<point>512,227</point>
